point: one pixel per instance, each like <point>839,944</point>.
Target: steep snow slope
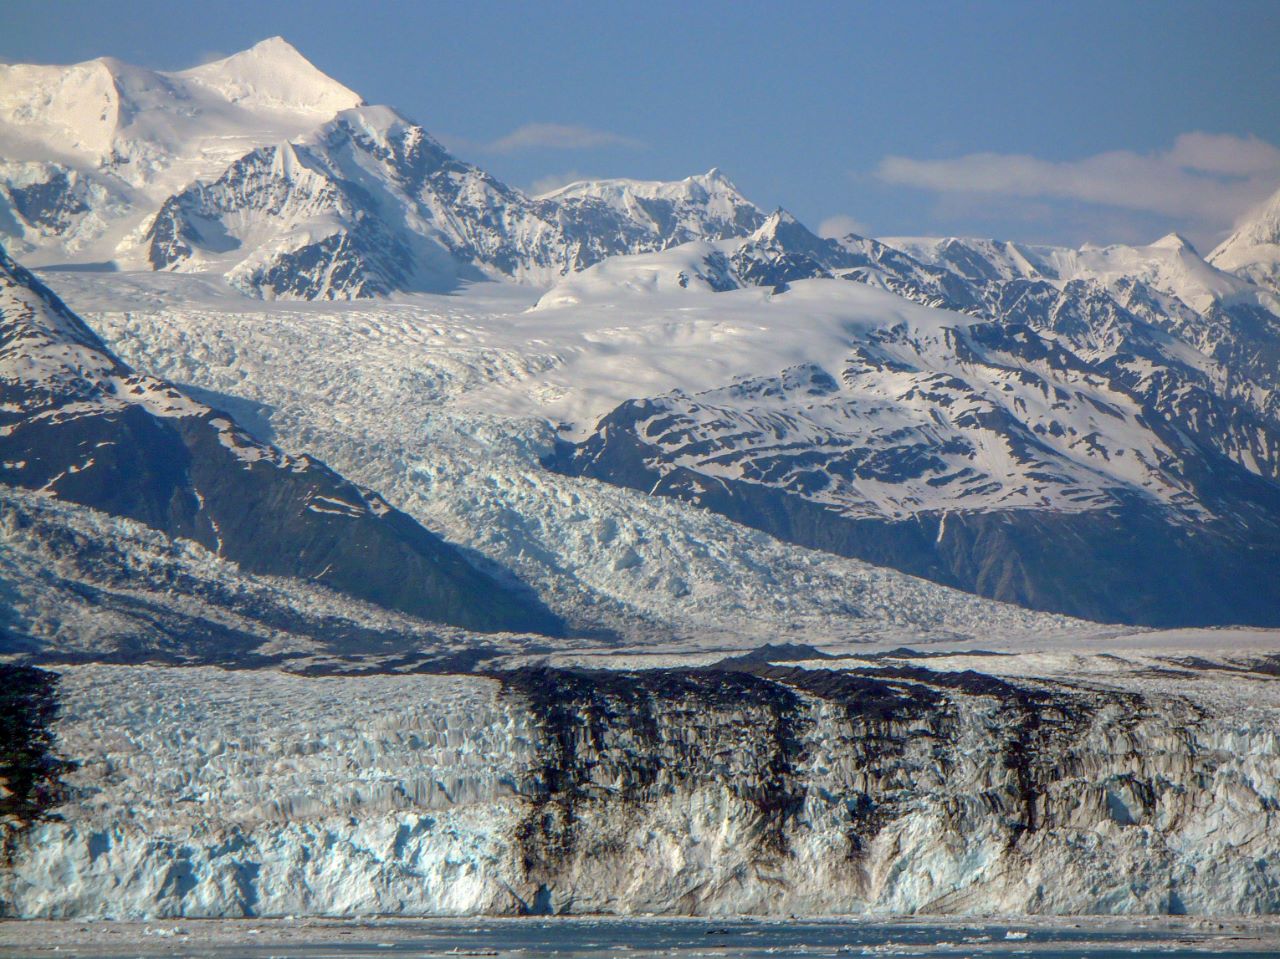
<point>893,785</point>
<point>1253,250</point>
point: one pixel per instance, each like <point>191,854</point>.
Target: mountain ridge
<point>388,209</point>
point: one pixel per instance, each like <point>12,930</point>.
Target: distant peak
<point>779,217</point>
<point>782,228</point>
<point>274,45</point>
<point>276,49</point>
<point>1174,241</point>
<point>1266,216</point>
<point>272,74</point>
<point>715,177</point>
<point>380,123</point>
<point>1259,228</point>
<point>1263,219</point>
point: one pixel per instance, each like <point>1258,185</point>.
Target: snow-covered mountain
<point>1120,402</point>
<point>90,151</point>
<point>260,168</point>
<point>1253,250</point>
<point>79,425</point>
<point>370,204</point>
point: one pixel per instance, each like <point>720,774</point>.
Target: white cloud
<point>554,181</point>
<point>840,225</point>
<point>557,136</point>
<point>1209,178</point>
<point>1226,154</point>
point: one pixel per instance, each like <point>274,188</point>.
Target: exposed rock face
<point>30,771</point>
<point>78,424</point>
<point>772,790</point>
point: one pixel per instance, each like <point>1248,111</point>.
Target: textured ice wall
<point>202,792</point>
<point>208,793</point>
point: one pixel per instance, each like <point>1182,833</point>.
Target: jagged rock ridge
<point>261,168</point>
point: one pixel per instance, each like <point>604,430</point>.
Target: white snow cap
<point>273,75</point>
<point>1174,241</point>
<point>1253,250</point>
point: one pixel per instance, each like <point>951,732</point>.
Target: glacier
<point>1142,782</point>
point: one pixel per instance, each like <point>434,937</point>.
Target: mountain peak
<point>714,180</point>
<point>1174,241</point>
<point>274,50</point>
<point>782,224</point>
<point>276,46</point>
<point>1261,225</point>
<point>1253,250</point>
<point>779,217</point>
<point>273,75</point>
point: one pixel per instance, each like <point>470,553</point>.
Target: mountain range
<point>379,539</point>
<point>1089,432</point>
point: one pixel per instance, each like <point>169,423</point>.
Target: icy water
<point>631,939</point>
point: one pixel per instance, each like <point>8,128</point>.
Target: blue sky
<point>1060,122</point>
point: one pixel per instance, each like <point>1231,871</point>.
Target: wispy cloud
<point>1208,178</point>
<point>554,181</point>
<point>557,136</point>
<point>834,227</point>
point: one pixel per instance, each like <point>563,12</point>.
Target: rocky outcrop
<point>30,770</point>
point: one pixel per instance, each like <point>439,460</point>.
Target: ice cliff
<point>881,786</point>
